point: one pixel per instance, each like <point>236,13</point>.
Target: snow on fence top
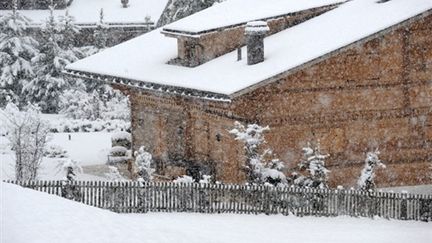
<point>144,59</point>
<point>234,12</point>
<point>87,11</point>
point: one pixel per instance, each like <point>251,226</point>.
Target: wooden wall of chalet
<point>377,93</point>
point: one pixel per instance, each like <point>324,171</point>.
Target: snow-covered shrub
<point>206,179</point>
<point>184,179</point>
<point>259,170</point>
<point>273,172</point>
<point>143,163</point>
<point>121,138</point>
<point>55,151</point>
<point>118,151</point>
<point>114,174</point>
<point>83,125</point>
<point>314,164</point>
<point>70,168</point>
<point>366,180</point>
<point>17,48</point>
<point>28,136</point>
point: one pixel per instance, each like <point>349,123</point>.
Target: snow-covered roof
<point>235,12</point>
<point>144,59</point>
<point>87,11</point>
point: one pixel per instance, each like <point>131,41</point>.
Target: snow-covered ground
<point>31,216</point>
<point>87,11</point>
<point>419,189</point>
<point>86,148</point>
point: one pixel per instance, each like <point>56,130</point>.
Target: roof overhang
<point>148,86</point>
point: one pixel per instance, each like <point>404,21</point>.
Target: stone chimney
<point>255,33</point>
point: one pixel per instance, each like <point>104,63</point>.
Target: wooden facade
<point>375,93</point>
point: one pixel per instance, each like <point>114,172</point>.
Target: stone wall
<point>186,133</point>
<point>375,94</point>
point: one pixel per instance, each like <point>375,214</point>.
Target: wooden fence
<point>137,197</point>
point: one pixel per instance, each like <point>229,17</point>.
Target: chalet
<point>356,75</point>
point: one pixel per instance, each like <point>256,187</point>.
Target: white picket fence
<point>137,197</point>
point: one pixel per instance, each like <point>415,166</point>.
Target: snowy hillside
<point>47,218</point>
<point>87,11</point>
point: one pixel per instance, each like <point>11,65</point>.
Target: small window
<point>218,137</point>
<point>180,130</point>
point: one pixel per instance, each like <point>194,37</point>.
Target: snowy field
<point>85,148</point>
<point>87,11</point>
<point>31,216</point>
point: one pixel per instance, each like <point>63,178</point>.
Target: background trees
<point>17,48</point>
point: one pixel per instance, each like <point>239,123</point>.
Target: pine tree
<point>143,163</point>
<point>366,181</point>
<point>100,35</point>
<point>258,169</point>
<point>49,83</point>
<point>16,51</point>
<point>314,164</point>
<point>68,31</point>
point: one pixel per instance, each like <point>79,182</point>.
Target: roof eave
<point>148,86</point>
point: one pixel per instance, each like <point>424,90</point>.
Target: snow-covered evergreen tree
<point>366,180</point>
<point>49,83</point>
<point>68,31</point>
<point>314,164</point>
<point>78,104</point>
<point>100,34</point>
<point>143,163</point>
<point>17,48</point>
<point>258,169</point>
<point>253,138</point>
<point>28,136</point>
<point>178,9</point>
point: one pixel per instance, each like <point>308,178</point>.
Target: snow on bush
<point>114,174</point>
<point>121,138</point>
<point>314,164</point>
<point>118,151</point>
<point>55,151</point>
<point>205,179</point>
<point>258,170</point>
<point>28,136</point>
<point>366,180</point>
<point>83,125</point>
<point>70,168</point>
<point>143,163</point>
<point>184,180</point>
